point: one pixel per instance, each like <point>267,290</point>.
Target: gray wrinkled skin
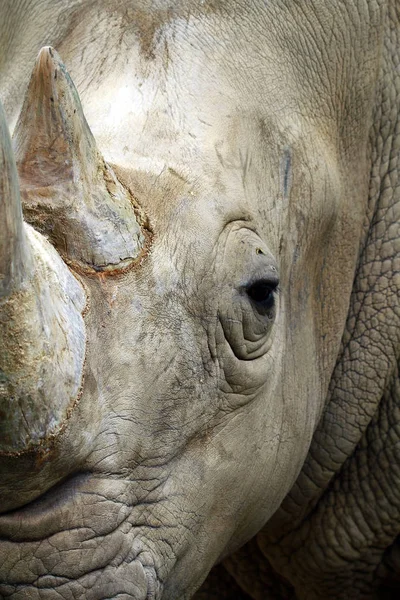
<point>260,139</point>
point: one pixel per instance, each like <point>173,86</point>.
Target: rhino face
<point>186,436</point>
<point>171,401</point>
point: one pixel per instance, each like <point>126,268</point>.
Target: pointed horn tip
<point>47,51</point>
<point>48,60</point>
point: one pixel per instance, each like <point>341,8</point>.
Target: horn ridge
<point>15,258</point>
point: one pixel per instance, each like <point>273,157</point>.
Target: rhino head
<point>171,315</point>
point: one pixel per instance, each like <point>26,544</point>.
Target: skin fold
<point>258,144</point>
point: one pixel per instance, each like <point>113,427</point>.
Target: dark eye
<point>262,293</point>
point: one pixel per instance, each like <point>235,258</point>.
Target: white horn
<point>42,333</point>
<point>68,191</point>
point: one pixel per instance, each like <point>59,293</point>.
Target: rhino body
<point>216,380</point>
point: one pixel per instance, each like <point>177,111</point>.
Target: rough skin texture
<point>260,140</point>
<point>336,533</point>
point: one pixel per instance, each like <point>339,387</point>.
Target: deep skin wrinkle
<point>251,138</point>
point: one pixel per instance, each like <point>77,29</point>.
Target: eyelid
<point>272,280</point>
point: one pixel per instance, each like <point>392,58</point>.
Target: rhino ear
<point>68,191</point>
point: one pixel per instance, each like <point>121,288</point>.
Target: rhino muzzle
<point>105,546</point>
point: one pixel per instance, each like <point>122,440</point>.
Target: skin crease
<point>238,128</point>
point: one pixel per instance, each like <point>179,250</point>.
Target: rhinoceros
<point>199,299</point>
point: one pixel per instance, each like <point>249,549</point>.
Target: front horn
<point>42,333</point>
<point>69,193</point>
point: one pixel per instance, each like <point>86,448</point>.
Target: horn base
<point>42,353</point>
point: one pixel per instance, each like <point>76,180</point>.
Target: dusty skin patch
<point>147,20</point>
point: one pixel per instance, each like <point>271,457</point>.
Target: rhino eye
<point>262,293</point>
